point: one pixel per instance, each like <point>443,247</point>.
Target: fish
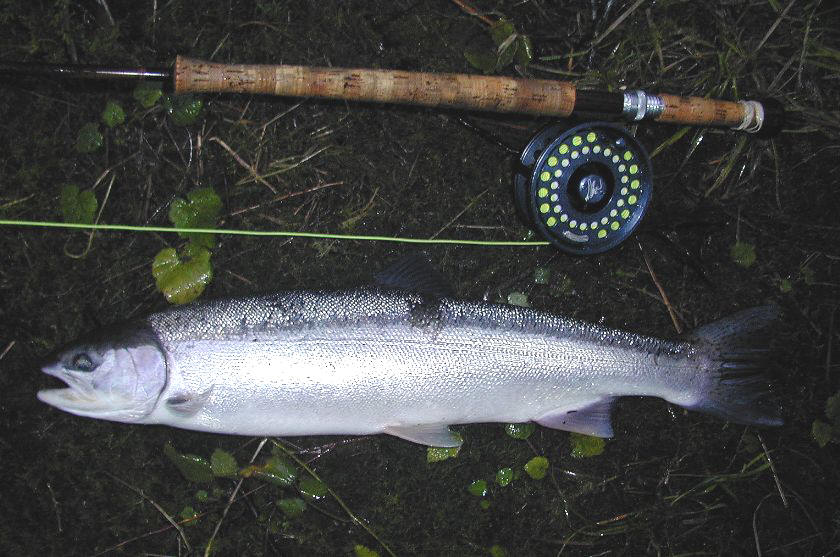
<point>403,357</point>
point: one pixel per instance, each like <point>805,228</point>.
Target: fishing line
<point>270,233</point>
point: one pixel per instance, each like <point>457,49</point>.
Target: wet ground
<point>669,483</point>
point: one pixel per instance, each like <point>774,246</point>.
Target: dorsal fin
<point>414,273</point>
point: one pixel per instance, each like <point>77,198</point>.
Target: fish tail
<point>734,385</point>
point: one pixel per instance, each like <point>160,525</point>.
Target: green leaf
<point>223,464</point>
<point>199,210</point>
<point>785,285</point>
<point>278,471</point>
<point>506,55</point>
<point>504,476</point>
<point>78,206</point>
<point>202,496</point>
<point>482,60</point>
<point>500,31</point>
<point>524,50</point>
<point>497,551</point>
<point>189,515</point>
<point>312,488</point>
<point>147,93</point>
<point>743,254</point>
<point>183,109</point>
<point>182,278</point>
<point>542,275</point>
<point>821,432</point>
<point>362,551</point>
<point>437,454</point>
<point>291,506</point>
<point>832,408</point>
<point>478,488</point>
<point>193,467</point>
<point>585,446</point>
<point>520,431</point>
<point>88,139</point>
<point>113,115</point>
<point>537,467</point>
<point>518,299</point>
<point>563,286</point>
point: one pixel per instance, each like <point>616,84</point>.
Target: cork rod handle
<point>472,92</point>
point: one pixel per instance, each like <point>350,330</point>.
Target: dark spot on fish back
<point>425,312</point>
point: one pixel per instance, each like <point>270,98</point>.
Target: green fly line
<point>274,233</point>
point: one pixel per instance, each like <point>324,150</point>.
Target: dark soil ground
<point>669,483</point>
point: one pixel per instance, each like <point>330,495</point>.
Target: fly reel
<point>584,190</point>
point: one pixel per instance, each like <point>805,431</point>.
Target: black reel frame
<point>583,189</point>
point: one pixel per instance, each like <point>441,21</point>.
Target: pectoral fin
<point>187,404</point>
<point>589,418</point>
<point>434,435</point>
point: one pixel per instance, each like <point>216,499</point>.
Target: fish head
<point>114,375</point>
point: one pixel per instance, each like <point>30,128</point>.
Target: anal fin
<point>589,418</point>
<point>434,435</point>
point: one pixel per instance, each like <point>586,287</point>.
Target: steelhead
<point>401,357</point>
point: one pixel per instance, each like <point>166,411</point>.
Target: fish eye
<point>82,362</point>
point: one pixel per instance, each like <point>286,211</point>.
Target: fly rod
<point>543,97</point>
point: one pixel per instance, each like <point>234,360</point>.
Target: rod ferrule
<point>639,105</point>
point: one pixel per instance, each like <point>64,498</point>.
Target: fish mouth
<point>81,399</point>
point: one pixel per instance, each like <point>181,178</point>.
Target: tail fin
<point>735,388</point>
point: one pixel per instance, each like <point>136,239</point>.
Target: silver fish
<point>400,357</point>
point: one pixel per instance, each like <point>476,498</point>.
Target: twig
<point>243,164</point>
<point>167,527</point>
<point>466,7</point>
<point>98,216</point>
<point>54,501</point>
<point>773,470</point>
<point>285,196</point>
<point>166,515</point>
<point>830,341</point>
<point>773,27</point>
<point>335,496</point>
<point>469,206</point>
<point>208,548</point>
<point>662,293</point>
<point>617,22</point>
<point>6,350</point>
<point>755,524</point>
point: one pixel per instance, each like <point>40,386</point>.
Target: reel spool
<point>584,190</point>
